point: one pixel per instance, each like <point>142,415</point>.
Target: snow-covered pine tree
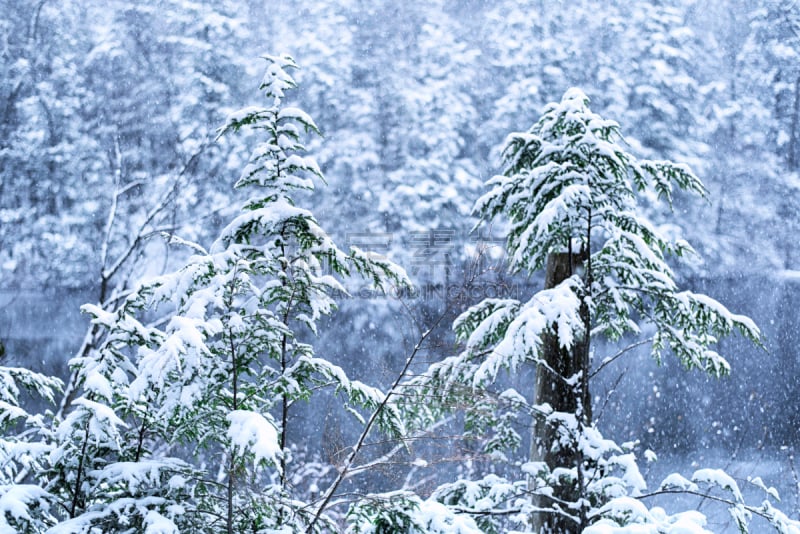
<point>24,505</point>
<point>103,471</point>
<point>216,378</point>
<point>569,193</point>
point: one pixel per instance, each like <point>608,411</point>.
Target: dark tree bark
<point>553,388</point>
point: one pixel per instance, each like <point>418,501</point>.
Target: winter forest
<point>369,266</point>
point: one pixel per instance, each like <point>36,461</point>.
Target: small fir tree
<point>569,192</point>
<point>217,377</point>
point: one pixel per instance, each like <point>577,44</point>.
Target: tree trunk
<point>552,388</point>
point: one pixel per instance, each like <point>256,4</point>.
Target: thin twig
<point>611,359</point>
<point>348,464</point>
<point>704,495</point>
<point>611,391</point>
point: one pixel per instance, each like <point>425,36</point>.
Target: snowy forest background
<point>117,104</point>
